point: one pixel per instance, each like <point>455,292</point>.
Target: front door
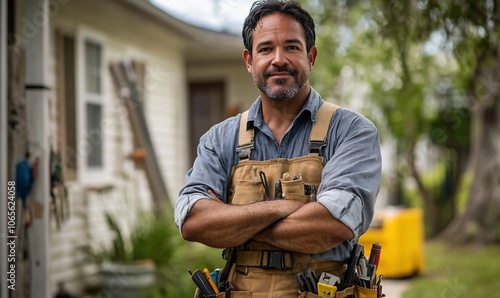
<point>206,108</point>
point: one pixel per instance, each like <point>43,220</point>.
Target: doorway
<point>206,108</point>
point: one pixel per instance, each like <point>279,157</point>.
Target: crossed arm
<point>306,228</point>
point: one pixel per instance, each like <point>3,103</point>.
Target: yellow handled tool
<point>210,280</point>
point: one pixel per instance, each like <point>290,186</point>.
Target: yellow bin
<point>400,232</point>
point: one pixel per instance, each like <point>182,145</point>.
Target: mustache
<point>274,69</point>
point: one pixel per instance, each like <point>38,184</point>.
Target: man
<point>290,184</point>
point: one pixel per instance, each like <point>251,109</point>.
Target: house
<point>67,109</point>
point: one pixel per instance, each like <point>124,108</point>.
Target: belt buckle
<point>276,260</point>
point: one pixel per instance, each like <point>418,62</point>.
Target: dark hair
<point>266,7</point>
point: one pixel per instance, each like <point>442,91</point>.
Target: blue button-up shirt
<point>350,179</point>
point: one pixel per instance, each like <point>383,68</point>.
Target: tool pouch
<point>294,190</point>
<point>232,294</point>
<point>348,292</point>
<point>250,190</point>
<point>354,292</point>
<point>360,292</point>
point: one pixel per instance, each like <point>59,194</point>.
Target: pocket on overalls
<point>294,190</point>
<point>246,191</point>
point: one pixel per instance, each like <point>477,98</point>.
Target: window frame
<point>91,174</point>
<point>67,101</point>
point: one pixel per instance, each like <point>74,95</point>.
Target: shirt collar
<point>312,105</point>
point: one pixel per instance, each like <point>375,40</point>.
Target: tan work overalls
<point>260,270</point>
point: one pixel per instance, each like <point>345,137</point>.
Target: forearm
<point>311,229</point>
<point>216,224</point>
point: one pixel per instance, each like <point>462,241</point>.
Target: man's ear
<point>248,60</point>
<point>313,53</point>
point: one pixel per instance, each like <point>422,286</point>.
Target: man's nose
<point>279,57</point>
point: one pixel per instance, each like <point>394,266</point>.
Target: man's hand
<point>311,229</point>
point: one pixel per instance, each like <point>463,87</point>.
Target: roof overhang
<point>201,44</point>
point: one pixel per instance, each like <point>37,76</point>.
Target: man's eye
<point>264,50</point>
<point>293,47</point>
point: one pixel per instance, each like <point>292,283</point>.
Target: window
<point>93,67</point>
<point>93,135</point>
<point>80,61</point>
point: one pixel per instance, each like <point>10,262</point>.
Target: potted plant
<point>128,265</point>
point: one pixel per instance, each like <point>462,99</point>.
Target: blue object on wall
<point>24,179</point>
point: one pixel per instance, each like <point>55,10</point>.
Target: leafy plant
<point>157,239</point>
<point>151,238</point>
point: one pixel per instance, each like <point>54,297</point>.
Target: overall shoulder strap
<point>245,141</point>
<point>317,139</point>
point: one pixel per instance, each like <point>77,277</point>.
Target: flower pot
<point>126,280</point>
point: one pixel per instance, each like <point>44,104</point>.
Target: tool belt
<point>351,292</point>
<point>267,273</point>
<point>269,259</point>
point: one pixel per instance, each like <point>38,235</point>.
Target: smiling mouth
<point>278,74</point>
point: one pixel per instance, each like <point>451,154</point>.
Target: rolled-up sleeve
<point>352,175</point>
<point>184,204</point>
<point>344,206</point>
<point>210,171</point>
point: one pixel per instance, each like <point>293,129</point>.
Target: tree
<point>472,29</point>
<point>373,41</point>
<point>468,32</point>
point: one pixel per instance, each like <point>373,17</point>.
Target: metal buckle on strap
<point>244,151</point>
<point>315,146</point>
<point>276,260</point>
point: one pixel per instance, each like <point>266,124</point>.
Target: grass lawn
<point>468,271</point>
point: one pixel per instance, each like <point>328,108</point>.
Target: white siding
<point>124,34</point>
<point>166,108</point>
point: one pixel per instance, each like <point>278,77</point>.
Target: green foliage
<point>154,238</point>
<point>451,128</point>
<point>114,252</point>
<point>174,281</point>
<point>463,191</point>
<point>432,180</point>
<point>459,271</point>
<point>435,180</point>
<point>401,65</point>
<point>366,50</point>
<point>151,238</point>
<point>158,239</point>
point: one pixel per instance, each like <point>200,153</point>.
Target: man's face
<point>280,65</point>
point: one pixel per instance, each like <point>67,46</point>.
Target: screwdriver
<point>375,254</point>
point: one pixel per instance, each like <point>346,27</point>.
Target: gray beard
<point>278,94</point>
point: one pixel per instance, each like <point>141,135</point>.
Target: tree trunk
<point>430,205</point>
<point>481,220</point>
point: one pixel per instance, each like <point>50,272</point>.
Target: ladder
<point>124,79</point>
